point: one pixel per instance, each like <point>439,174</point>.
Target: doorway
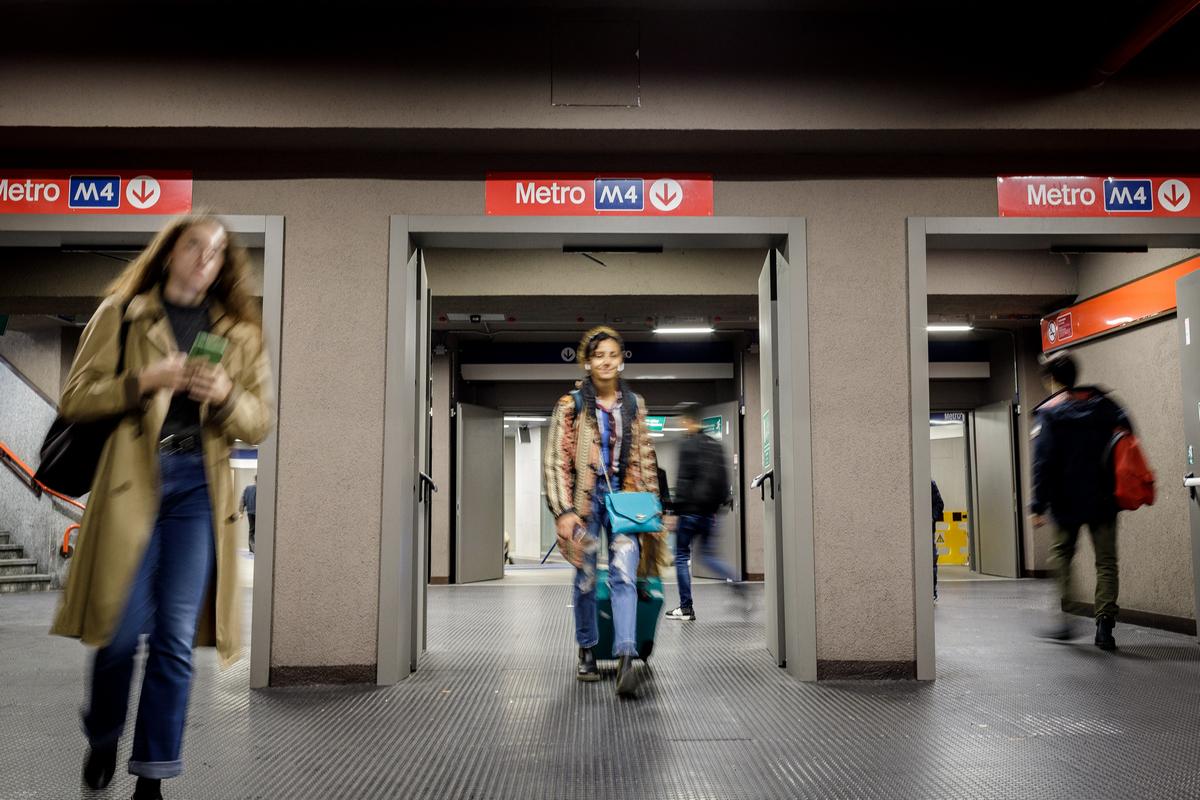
<point>786,485</point>
<point>926,235</point>
<point>126,233</point>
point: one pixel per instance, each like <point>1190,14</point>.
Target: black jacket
<point>703,483</point>
<point>1072,477</point>
<point>939,505</point>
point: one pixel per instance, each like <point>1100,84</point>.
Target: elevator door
<point>723,423</point>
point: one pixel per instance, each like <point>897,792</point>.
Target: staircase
<point>17,573</point>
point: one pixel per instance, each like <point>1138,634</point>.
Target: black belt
<point>169,445</point>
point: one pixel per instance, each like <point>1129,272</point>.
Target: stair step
<point>18,566</point>
<point>11,551</point>
<point>5,537</point>
<point>24,583</point>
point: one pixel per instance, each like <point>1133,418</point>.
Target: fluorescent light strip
<point>684,330</point>
<point>657,435</point>
<point>525,419</point>
<point>949,328</point>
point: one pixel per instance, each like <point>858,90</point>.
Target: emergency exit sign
<point>588,195</point>
<point>95,192</point>
<point>1079,196</point>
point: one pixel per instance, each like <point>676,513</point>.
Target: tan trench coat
<point>123,504</point>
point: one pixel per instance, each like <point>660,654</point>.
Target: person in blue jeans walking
<point>597,443</point>
<point>701,488</point>
<point>158,554</point>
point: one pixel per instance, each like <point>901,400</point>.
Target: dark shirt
<point>183,417</point>
<point>702,485</point>
<point>939,505</point>
<point>1072,473</point>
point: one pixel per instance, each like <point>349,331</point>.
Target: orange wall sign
<point>1131,304</point>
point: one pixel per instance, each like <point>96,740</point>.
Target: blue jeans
<point>164,602</point>
<point>624,553</point>
<point>696,528</point>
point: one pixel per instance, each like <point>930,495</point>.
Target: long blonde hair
<point>149,269</point>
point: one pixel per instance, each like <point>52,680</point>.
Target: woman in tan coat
<point>157,553</point>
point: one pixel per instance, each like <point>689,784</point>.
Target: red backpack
<point>1134,480</point>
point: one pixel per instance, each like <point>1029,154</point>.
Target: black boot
<point>586,670</point>
<point>148,789</point>
<point>100,766</point>
<point>1104,633</point>
<point>627,677</point>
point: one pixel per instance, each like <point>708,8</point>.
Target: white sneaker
<point>684,614</point>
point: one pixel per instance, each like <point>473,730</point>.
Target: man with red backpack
<point>1074,485</point>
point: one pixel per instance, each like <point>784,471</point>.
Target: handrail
<point>66,551</point>
<point>34,484</point>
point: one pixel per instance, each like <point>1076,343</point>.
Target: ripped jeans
<point>624,553</point>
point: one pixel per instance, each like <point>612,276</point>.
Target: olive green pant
<point>1104,542</point>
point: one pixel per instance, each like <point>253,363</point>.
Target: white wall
<point>948,462</point>
<point>527,525</point>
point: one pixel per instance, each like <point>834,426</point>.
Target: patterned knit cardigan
<point>572,461</point>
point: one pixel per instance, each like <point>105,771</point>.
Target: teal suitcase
<point>649,611</point>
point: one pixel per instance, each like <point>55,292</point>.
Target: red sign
<point>1133,303</point>
<point>1098,197</point>
<point>591,195</point>
<point>95,192</point>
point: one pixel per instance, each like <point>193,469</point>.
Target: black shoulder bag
<point>71,450</point>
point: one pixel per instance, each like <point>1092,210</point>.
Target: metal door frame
<point>253,231</point>
<point>987,233</point>
<point>401,574</point>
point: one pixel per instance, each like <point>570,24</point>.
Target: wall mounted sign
<point>95,192</point>
<point>712,426</point>
<point>591,195</point>
<point>655,424</point>
<point>1141,300</point>
<point>1078,196</point>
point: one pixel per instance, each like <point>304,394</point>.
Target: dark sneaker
<point>627,677</point>
<point>586,670</point>
<point>99,767</point>
<point>681,613</point>
<point>1062,631</point>
<point>1104,634</point>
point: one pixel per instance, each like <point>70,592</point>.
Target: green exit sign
<point>656,424</point>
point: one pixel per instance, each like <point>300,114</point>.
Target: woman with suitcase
<point>598,445</point>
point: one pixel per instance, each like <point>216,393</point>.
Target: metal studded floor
<point>495,713</point>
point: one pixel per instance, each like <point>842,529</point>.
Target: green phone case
<point>208,346</point>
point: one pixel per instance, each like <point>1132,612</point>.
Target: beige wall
<point>332,396</point>
<point>331,402</point>
<point>858,327</point>
<point>1141,367</point>
<point>996,272</point>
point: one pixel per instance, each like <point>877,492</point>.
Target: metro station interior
<point>859,268</point>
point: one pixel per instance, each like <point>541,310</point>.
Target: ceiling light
<point>950,328</point>
<point>525,419</point>
<point>675,430</point>
<point>657,435</point>
<point>685,331</point>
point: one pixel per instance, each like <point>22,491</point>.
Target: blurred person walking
<point>1073,486</point>
<point>700,490</point>
<point>157,553</point>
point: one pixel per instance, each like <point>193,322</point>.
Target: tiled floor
<point>494,713</point>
